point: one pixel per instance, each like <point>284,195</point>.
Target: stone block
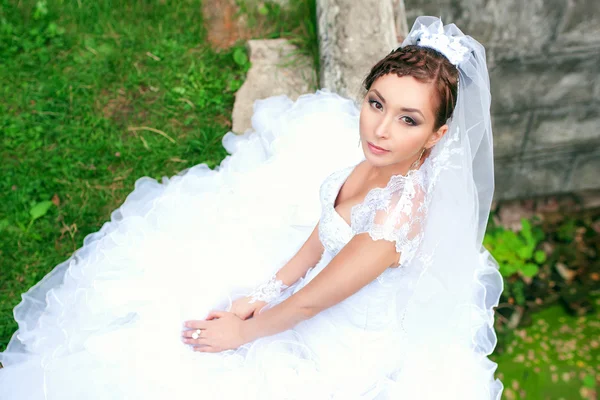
<point>561,127</point>
<point>509,133</point>
<point>538,176</point>
<point>586,171</point>
<point>277,68</point>
<point>580,26</point>
<point>353,36</point>
<point>402,27</point>
<point>503,179</point>
<point>545,82</point>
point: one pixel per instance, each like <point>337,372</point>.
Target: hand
<point>221,331</point>
<point>244,309</point>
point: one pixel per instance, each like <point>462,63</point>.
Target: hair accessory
<point>449,46</point>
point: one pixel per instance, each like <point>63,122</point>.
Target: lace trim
<point>395,213</point>
<point>268,291</point>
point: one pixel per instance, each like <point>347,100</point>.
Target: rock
<point>353,35</point>
<point>402,28</point>
<point>584,176</point>
<point>564,126</point>
<point>546,81</point>
<point>277,68</point>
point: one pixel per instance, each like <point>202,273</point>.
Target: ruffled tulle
<point>106,323</point>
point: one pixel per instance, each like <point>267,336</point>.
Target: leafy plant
<point>39,210</point>
<point>516,252</point>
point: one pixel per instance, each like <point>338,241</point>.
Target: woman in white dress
<point>242,282</point>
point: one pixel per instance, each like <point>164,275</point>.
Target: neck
<point>400,168</point>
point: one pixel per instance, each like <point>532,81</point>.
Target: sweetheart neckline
<point>369,194</point>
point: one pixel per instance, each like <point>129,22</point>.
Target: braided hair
<point>425,65</point>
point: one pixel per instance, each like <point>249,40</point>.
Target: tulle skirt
<point>106,323</point>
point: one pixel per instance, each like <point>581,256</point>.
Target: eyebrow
<point>405,109</point>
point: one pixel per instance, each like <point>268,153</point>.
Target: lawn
<point>556,357</point>
<point>95,95</point>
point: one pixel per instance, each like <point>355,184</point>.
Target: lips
<point>376,149</point>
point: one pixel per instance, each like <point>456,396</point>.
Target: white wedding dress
<point>106,323</point>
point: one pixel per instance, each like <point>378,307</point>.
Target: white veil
<point>449,317</point>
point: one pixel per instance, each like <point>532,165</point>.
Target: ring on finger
<point>196,334</point>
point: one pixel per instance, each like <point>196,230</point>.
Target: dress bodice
<point>366,326</point>
<point>368,319</point>
<point>399,201</point>
<point>334,232</point>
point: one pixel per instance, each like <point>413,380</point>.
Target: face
<point>397,121</point>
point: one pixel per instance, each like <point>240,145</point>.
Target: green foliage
<point>81,82</point>
<point>240,58</point>
<point>566,232</point>
<point>516,252</point>
<point>40,209</point>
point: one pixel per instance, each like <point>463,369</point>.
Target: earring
<point>416,163</point>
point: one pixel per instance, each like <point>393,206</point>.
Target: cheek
<point>408,141</point>
<point>365,122</point>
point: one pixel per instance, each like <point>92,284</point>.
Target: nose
<point>382,129</point>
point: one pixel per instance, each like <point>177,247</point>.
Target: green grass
<point>94,95</point>
<point>80,83</point>
<point>556,357</point>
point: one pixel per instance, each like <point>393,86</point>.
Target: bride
<point>246,282</point>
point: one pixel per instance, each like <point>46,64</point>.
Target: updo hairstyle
<point>425,65</point>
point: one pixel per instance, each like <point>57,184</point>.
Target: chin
<point>377,161</point>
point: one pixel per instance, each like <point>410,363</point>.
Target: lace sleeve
<point>395,213</point>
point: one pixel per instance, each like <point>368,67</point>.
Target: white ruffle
<point>106,323</point>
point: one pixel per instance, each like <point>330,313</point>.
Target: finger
<point>189,333</point>
<point>246,315</point>
<point>196,342</point>
<point>195,324</point>
<point>243,314</point>
<point>216,314</point>
<point>206,349</point>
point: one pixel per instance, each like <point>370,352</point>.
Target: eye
<point>375,104</point>
<point>409,121</point>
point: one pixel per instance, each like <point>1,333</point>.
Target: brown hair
<point>426,65</point>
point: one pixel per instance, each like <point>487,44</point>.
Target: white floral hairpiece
<point>449,46</point>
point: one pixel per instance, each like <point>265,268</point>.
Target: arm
<point>308,256</point>
<point>378,244</point>
<point>357,264</point>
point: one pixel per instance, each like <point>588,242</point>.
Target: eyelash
<point>407,120</point>
<point>371,102</point>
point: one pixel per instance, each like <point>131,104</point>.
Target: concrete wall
<point>544,62</point>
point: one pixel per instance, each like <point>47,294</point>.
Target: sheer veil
<point>448,320</point>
